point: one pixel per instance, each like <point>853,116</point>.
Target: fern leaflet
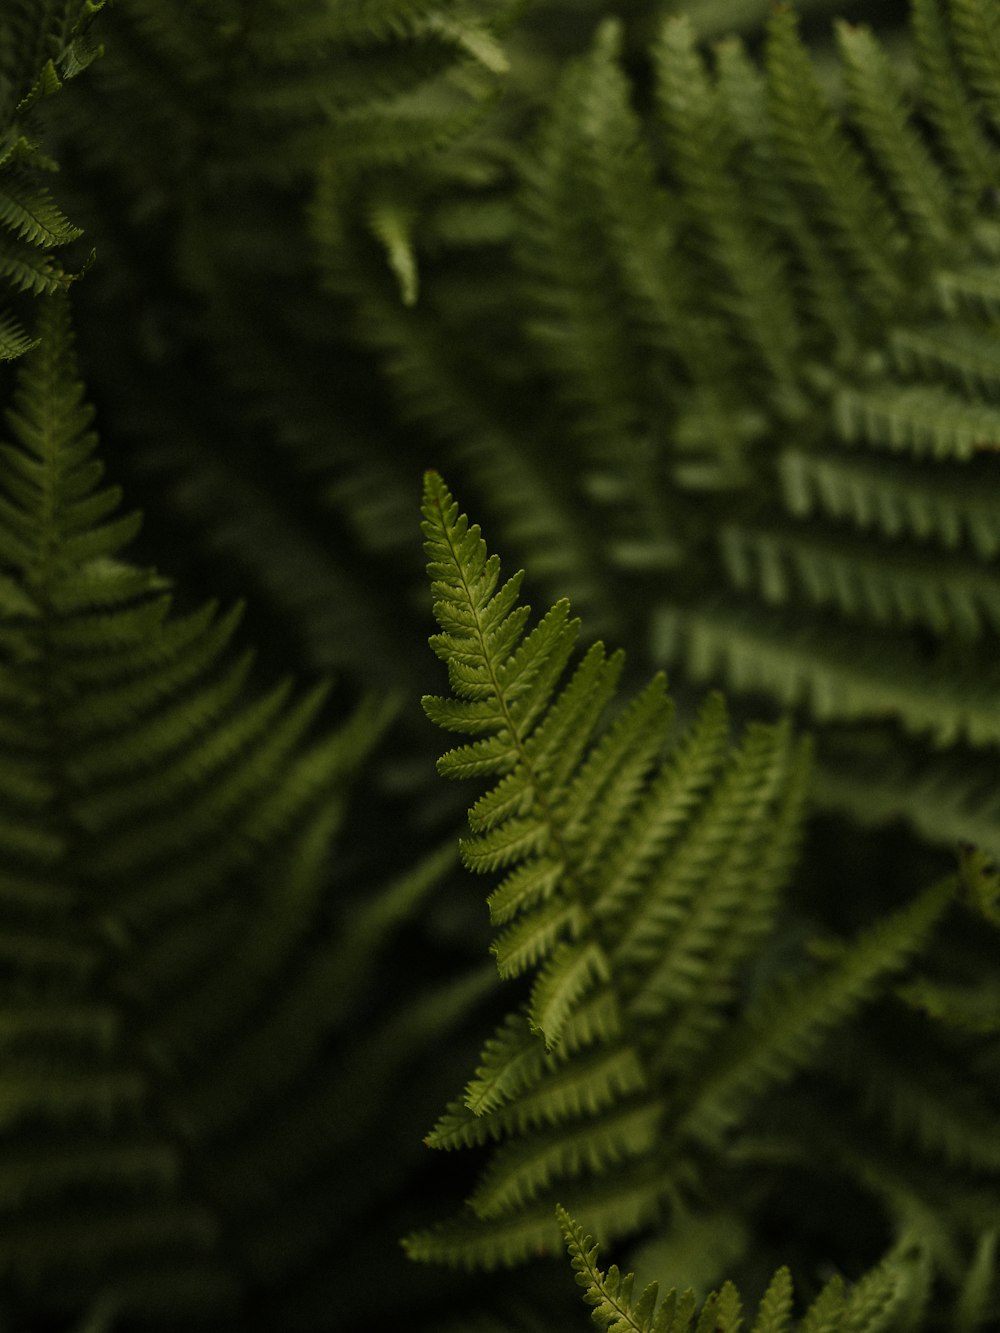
<point>872,1306</point>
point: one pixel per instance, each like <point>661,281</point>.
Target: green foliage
<point>170,975</point>
<point>892,1296</point>
<point>637,881</point>
<point>697,303</point>
<point>40,48</point>
<point>867,520</point>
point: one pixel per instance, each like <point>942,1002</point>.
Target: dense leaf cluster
<point>696,306</point>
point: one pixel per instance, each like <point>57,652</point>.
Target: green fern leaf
<point>977,36</point>
<point>964,354</point>
<point>775,1309</point>
<point>956,598</point>
<point>609,1294</point>
<point>827,1312</point>
<point>946,507</point>
<point>823,163</point>
<point>171,984</point>
<point>842,678</point>
<point>789,1025</point>
<point>608,846</point>
<point>40,51</point>
<point>871,1306</point>
<point>880,110</point>
<point>705,149</point>
<point>919,418</point>
<point>33,216</point>
<point>948,103</point>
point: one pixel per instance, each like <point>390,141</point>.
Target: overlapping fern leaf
<point>637,880</point>
<point>892,1296</point>
<point>40,47</point>
<point>172,970</point>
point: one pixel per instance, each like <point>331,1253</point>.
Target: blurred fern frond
<point>172,977</point>
<point>40,48</point>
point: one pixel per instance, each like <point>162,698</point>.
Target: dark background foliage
<point>339,245</point>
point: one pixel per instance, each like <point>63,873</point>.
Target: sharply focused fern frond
<point>637,880</point>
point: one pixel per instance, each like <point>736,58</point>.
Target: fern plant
<point>760,307</point>
<point>38,51</point>
<point>706,335</point>
<point>171,976</point>
<point>891,1297</point>
<point>737,377</point>
<point>258,111</point>
<point>636,887</point>
<point>888,549</point>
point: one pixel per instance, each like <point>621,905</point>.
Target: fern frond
<point>40,51</point>
<point>167,947</point>
<point>705,143</point>
<point>948,103</point>
<point>610,1294</point>
<point>635,885</point>
<point>775,1308</point>
<point>574,274</point>
<point>928,504</point>
<point>921,191</point>
<point>977,38</point>
<point>825,165</point>
<point>790,1023</point>
<point>872,1306</point>
<point>963,354</point>
<point>918,418</point>
<point>525,1169</point>
<point>716,928</point>
<point>773,207</point>
<point>838,680</point>
<point>33,215</point>
<point>696,897</point>
<point>620,1203</point>
<point>953,597</point>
